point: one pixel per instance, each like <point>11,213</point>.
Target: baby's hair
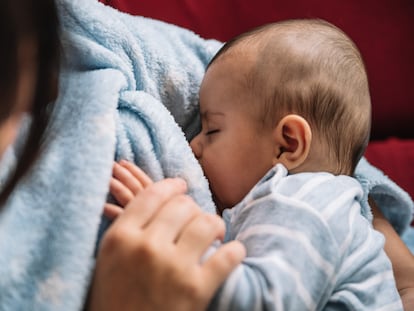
<point>23,22</point>
<point>311,68</point>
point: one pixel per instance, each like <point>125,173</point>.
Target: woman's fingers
<point>200,233</point>
<point>142,208</point>
<point>173,218</point>
<point>215,266</point>
<point>197,237</point>
<point>221,263</point>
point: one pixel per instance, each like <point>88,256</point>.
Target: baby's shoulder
<point>318,187</point>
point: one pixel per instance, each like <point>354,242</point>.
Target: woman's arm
<point>400,256</point>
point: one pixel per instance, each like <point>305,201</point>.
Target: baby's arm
<point>293,260</point>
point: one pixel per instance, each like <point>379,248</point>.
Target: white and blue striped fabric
<point>308,248</point>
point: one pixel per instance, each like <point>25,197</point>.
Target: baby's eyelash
<point>210,132</point>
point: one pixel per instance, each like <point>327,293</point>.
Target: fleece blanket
<point>128,89</point>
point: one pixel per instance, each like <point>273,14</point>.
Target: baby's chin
<point>220,207</point>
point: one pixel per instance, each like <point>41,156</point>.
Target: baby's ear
<point>293,138</point>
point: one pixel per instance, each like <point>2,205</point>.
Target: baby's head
<point>295,93</point>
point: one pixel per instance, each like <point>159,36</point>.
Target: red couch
<point>383,30</point>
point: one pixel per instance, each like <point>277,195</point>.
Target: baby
<point>285,112</point>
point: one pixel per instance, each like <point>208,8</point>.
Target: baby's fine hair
<point>311,68</point>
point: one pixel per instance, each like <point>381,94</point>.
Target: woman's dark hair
<point>37,21</point>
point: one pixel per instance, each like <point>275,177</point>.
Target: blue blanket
<point>128,89</point>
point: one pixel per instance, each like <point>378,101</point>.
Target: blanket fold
<point>48,227</point>
<point>128,89</point>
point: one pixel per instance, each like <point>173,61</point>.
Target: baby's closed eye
<point>214,131</point>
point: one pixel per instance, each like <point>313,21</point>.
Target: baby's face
<point>232,149</point>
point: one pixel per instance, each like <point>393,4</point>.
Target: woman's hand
<point>149,258</point>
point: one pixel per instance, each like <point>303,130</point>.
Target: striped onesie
<point>308,248</point>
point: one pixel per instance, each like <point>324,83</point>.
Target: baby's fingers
<point>125,176</point>
<point>139,174</point>
<point>112,211</point>
<point>120,192</point>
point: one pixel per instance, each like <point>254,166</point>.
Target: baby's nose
<point>195,145</point>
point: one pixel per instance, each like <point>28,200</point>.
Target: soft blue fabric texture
<point>119,76</point>
<point>394,202</point>
<point>408,238</point>
<point>128,90</point>
<point>48,228</point>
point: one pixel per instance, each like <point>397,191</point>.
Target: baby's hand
<point>127,181</point>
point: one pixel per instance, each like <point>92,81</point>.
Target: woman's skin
<point>401,257</point>
<point>150,257</point>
